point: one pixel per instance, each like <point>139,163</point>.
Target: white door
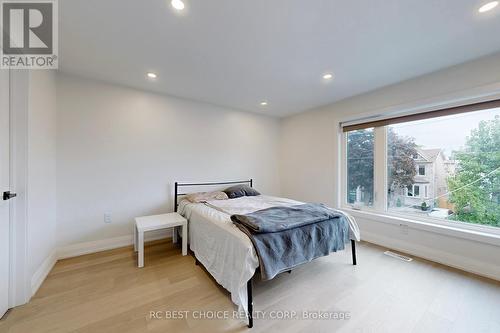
<point>4,187</point>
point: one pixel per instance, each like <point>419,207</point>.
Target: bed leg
<point>353,248</point>
<point>250,303</point>
<point>196,262</point>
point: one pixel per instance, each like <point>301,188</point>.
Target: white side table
<point>158,222</point>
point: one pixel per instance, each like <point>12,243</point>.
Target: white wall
<point>41,175</point>
<point>120,150</point>
<point>310,157</point>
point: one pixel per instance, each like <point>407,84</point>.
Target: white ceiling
<point>238,53</point>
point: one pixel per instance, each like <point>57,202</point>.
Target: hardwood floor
<point>106,292</point>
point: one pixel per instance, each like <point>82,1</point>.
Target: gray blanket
<point>283,218</point>
<point>285,237</point>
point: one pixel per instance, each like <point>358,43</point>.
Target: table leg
<point>135,238</point>
<point>174,235</point>
<point>184,239</point>
<point>141,249</point>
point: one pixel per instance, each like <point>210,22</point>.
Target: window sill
<point>469,234</point>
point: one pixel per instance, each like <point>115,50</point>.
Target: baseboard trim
<point>75,250</point>
<point>439,257</point>
<point>42,272</point>
<point>78,249</point>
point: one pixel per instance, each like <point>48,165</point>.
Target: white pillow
<point>206,196</point>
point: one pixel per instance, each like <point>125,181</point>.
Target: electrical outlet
<point>107,218</point>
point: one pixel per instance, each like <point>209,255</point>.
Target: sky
<point>448,133</point>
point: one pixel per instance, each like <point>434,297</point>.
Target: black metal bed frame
<point>249,283</point>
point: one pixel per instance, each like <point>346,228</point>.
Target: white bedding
<point>224,250</point>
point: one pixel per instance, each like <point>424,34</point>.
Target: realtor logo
<point>29,34</point>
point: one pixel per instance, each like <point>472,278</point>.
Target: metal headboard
<point>178,185</point>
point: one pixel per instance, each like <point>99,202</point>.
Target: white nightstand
<point>157,222</point>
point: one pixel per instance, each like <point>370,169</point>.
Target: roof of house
<point>429,154</point>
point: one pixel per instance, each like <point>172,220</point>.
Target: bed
<point>226,252</point>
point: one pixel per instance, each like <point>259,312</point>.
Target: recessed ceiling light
<point>487,7</point>
<point>151,75</point>
<point>263,103</point>
<point>328,76</point>
<point>177,4</point>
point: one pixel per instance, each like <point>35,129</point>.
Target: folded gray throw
<point>283,218</point>
<point>285,237</point>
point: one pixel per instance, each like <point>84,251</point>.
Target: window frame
<point>413,186</point>
<point>419,167</point>
<point>379,207</point>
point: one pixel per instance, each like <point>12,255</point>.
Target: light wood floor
<point>106,292</point>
